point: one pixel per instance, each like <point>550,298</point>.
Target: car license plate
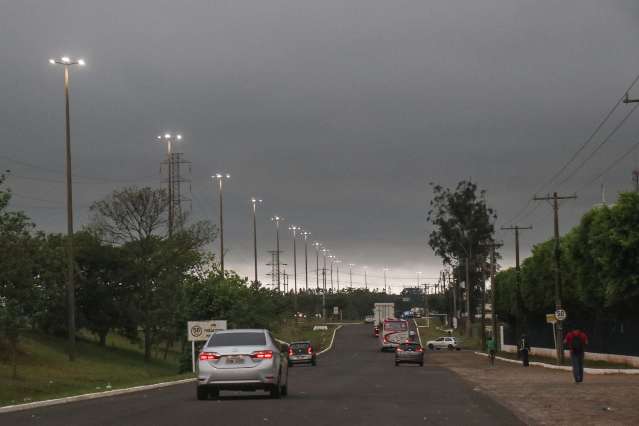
<point>234,360</point>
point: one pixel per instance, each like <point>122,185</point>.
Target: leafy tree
<point>17,249</point>
<point>156,265</point>
<point>461,227</point>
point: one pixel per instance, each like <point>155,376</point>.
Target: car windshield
<point>249,338</point>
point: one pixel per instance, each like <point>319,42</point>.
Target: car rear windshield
<point>409,346</point>
<point>238,339</point>
<point>299,345</point>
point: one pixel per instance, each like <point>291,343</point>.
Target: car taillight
<point>420,350</point>
<point>209,356</point>
<point>399,350</point>
<point>290,352</point>
<point>262,355</point>
<point>310,350</point>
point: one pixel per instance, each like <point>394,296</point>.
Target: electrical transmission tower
<point>274,274</point>
<point>173,169</point>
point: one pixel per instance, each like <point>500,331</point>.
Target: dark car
<point>409,352</point>
<point>301,353</point>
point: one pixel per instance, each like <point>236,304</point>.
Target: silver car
<point>409,352</point>
<point>242,360</point>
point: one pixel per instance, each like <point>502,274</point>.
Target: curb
<point>87,396</point>
<point>566,368</point>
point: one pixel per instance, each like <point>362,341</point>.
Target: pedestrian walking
<point>524,349</point>
<point>491,347</point>
<point>576,341</point>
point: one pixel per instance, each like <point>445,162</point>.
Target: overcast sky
<point>337,113</point>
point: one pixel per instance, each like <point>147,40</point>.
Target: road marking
<point>87,396</point>
<point>419,336</point>
<point>332,340</point>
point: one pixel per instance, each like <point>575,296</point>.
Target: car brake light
<point>209,356</point>
<point>310,350</point>
<point>262,355</point>
<point>290,351</point>
<point>400,350</point>
<point>420,350</point>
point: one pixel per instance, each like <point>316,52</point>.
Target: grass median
<point>292,331</point>
<point>44,371</point>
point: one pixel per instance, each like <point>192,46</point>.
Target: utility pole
<point>254,202</point>
<point>220,178</point>
<point>635,178</point>
<point>331,257</point>
<point>469,255</point>
<point>385,269</point>
<point>493,290</point>
<point>555,204</point>
<point>337,262</point>
<point>350,273</point>
<point>67,62</point>
<point>518,298</point>
<point>317,246</point>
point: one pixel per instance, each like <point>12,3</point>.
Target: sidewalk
<point>543,396</point>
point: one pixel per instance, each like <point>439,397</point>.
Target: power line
<point>613,164</point>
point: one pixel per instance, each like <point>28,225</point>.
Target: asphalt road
<point>354,384</point>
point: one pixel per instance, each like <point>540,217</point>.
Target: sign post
<point>199,331</point>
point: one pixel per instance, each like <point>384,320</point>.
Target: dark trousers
<point>524,357</point>
<point>578,366</point>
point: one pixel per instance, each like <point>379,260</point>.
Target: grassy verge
<point>587,362</point>
<point>290,332</point>
<point>44,371</point>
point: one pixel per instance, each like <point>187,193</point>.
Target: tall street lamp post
<point>306,234</point>
<point>220,178</point>
<point>317,246</point>
<point>254,203</point>
<point>66,63</point>
<point>337,262</point>
<point>294,229</point>
<point>170,140</point>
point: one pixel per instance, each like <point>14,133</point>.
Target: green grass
<point>44,371</point>
<point>290,332</point>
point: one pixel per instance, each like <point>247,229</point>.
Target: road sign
<point>560,314</point>
<point>551,318</point>
<point>202,330</point>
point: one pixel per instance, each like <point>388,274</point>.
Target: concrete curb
<point>87,396</point>
<point>419,336</point>
<point>566,368</point>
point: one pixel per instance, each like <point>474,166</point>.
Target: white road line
<point>332,340</point>
<point>419,336</point>
<point>87,396</point>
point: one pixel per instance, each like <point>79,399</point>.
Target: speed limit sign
<point>560,314</point>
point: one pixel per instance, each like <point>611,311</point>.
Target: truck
<point>382,311</point>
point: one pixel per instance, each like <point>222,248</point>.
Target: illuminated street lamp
<point>170,140</point>
<point>220,178</point>
<point>67,62</point>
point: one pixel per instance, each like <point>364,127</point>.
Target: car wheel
<point>284,390</point>
<point>313,363</point>
<point>276,392</point>
<point>421,364</point>
<point>431,346</point>
<point>202,393</point>
<point>450,347</point>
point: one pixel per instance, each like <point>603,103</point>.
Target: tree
<point>17,291</point>
<point>461,228</point>
<point>156,265</point>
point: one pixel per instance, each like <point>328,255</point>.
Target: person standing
<point>524,349</point>
<point>576,341</point>
<point>491,348</point>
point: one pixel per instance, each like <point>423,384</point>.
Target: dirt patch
<point>543,396</point>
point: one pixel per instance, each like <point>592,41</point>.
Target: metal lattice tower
<point>274,272</point>
<point>174,168</point>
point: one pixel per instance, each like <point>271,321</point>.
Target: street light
<point>331,259</point>
<point>220,178</point>
<point>324,253</point>
<point>337,262</point>
<point>350,272</point>
<point>317,246</point>
<point>254,203</point>
<point>170,139</point>
<point>277,220</point>
<point>365,278</point>
<point>294,229</point>
<point>67,62</point>
<point>306,234</point>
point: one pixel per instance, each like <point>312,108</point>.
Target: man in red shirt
<point>576,341</point>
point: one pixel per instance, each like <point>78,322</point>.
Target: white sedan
<point>446,342</point>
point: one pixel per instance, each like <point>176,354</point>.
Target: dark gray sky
<point>337,114</point>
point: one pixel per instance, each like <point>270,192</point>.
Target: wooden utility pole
<point>555,205</point>
<point>519,298</point>
<point>493,289</point>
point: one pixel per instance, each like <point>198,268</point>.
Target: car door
<point>440,343</point>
